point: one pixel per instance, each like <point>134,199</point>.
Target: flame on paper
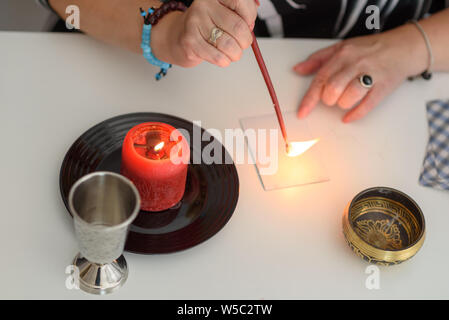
<point>297,148</point>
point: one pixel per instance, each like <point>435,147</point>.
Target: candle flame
<point>159,146</point>
<point>298,148</point>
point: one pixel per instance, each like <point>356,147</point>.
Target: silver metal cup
<point>103,205</point>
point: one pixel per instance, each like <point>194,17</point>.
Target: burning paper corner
<point>298,148</point>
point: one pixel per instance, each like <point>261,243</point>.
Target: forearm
<point>116,22</point>
<point>414,55</point>
<point>437,29</point>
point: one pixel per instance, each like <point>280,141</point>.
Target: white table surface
<point>284,244</point>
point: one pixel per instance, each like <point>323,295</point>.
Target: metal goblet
<point>103,205</point>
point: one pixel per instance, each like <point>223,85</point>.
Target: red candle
<point>154,158</point>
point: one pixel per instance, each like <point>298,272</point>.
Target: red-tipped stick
<point>266,76</point>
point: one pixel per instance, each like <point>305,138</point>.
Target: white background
<point>284,244</point>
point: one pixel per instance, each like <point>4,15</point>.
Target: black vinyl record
<point>208,203</point>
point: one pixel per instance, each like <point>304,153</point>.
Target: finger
<point>247,10</point>
<point>209,53</point>
<point>352,95</point>
<point>372,99</point>
<point>337,84</point>
<point>225,43</point>
<point>233,24</point>
<point>229,47</point>
<point>314,93</point>
<point>312,96</point>
<point>315,61</point>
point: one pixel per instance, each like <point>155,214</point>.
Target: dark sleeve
<point>438,5</point>
<point>44,3</point>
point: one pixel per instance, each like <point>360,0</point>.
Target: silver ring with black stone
<point>366,81</point>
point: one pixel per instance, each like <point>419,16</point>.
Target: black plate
<point>209,201</point>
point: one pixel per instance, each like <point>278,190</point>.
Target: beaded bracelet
<point>151,19</point>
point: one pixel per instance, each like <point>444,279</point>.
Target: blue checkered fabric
<point>435,171</point>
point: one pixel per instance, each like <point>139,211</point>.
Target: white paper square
<point>291,171</point>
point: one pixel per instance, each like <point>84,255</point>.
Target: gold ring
<point>214,35</point>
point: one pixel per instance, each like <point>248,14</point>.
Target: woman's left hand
<point>389,58</point>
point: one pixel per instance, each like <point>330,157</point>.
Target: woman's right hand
<point>183,38</point>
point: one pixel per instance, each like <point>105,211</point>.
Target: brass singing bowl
<point>384,226</point>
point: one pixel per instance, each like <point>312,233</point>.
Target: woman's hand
<point>389,58</point>
<point>183,38</point>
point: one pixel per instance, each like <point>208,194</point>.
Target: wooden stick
<point>266,76</point>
